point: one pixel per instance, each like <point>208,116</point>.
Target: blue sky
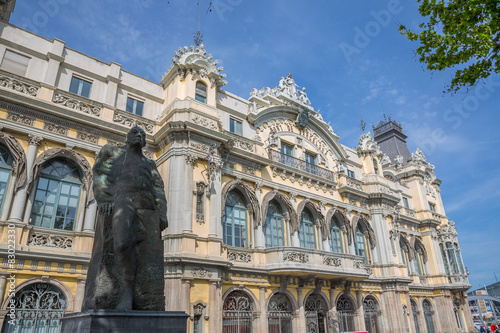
<point>342,52</point>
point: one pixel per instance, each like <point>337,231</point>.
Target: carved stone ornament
<point>18,86</point>
<point>87,137</point>
<point>202,273</point>
<point>296,257</point>
<point>361,265</point>
<point>130,120</point>
<point>303,118</point>
<point>198,309</point>
<point>385,160</point>
<point>367,145</point>
<point>55,128</point>
<point>418,157</point>
<point>48,240</point>
<point>286,88</point>
<point>205,122</point>
<point>239,256</point>
<point>22,119</point>
<point>332,261</point>
<point>399,161</point>
<point>237,143</point>
<point>77,105</point>
<point>447,233</point>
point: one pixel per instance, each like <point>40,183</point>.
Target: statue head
<point>136,135</point>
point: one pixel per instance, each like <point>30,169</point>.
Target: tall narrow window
<point>310,158</point>
<point>57,195</point>
<point>404,251</point>
<point>351,174</point>
<point>5,172</point>
<point>286,149</point>
<point>415,315</point>
<point>15,63</point>
<point>274,230</point>
<point>445,259</point>
<point>360,244</point>
<point>428,316</point>
<point>80,87</point>
<point>432,207</point>
<point>235,126</point>
<point>375,166</point>
<point>335,236</point>
<point>418,262</point>
<point>201,92</point>
<point>459,258</point>
<point>234,222</point>
<point>405,203</point>
<point>450,251</point>
<point>134,106</point>
<point>307,234</point>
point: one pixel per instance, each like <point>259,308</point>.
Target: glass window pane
<point>86,88</point>
<point>15,63</point>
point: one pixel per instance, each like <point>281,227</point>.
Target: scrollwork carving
<point>332,261</point>
<point>48,240</point>
<point>22,87</point>
<point>239,256</point>
<point>296,257</point>
<point>77,105</point>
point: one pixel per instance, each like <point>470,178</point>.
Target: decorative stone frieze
<point>130,120</point>
<point>49,240</point>
<point>55,128</point>
<point>77,105</point>
<point>22,119</point>
<point>18,86</point>
<point>361,265</point>
<point>447,233</point>
<point>87,137</point>
<point>296,257</point>
<point>248,170</point>
<point>202,273</point>
<point>332,261</point>
<point>239,256</point>
<point>200,146</point>
<point>205,122</point>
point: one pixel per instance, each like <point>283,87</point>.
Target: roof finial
<point>198,36</point>
<point>362,124</point>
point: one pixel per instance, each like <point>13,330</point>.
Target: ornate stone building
<point>274,225</point>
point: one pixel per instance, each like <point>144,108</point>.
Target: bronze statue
<point>126,269</point>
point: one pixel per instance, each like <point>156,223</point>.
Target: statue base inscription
<point>107,321</point>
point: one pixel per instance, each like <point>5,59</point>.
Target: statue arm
<point>160,199</point>
<point>101,171</point>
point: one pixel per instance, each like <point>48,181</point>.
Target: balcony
<point>294,259</point>
<point>301,165</point>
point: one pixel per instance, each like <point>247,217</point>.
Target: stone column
<point>294,236</point>
<point>90,216</point>
<point>3,285</point>
<point>8,198</point>
<point>215,191</point>
<point>333,311</point>
<point>80,292</point>
<point>214,306</point>
<point>185,294</point>
<point>392,307</point>
<point>180,195</point>
<point>326,245</point>
<point>295,239</point>
<point>320,238</point>
<point>302,313</point>
<point>16,214</point>
<point>360,317</point>
<point>263,310</point>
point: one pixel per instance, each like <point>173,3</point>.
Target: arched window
<point>415,315</point>
<point>418,262</point>
<point>5,171</point>
<point>375,166</point>
<point>335,236</point>
<point>450,251</point>
<point>345,310</point>
<point>307,234</point>
<point>404,251</point>
<point>370,309</point>
<point>201,92</point>
<point>39,308</point>
<point>459,258</point>
<point>57,195</point>
<point>360,243</point>
<point>316,313</point>
<point>274,229</point>
<point>445,259</point>
<point>234,223</point>
<point>428,316</point>
<point>237,313</point>
<point>279,313</point>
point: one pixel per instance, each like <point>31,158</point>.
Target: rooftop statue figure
<point>126,269</point>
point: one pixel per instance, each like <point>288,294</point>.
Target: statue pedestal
<point>102,321</point>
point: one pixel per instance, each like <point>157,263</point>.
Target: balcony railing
<point>302,165</point>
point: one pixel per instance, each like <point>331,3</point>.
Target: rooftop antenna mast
<point>198,36</point>
<point>362,124</point>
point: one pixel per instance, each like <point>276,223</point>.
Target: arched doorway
<point>237,313</point>
<point>279,312</point>
<point>39,308</point>
<point>316,314</point>
<point>345,310</point>
<point>370,309</point>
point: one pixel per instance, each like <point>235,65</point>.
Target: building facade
<point>274,225</point>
